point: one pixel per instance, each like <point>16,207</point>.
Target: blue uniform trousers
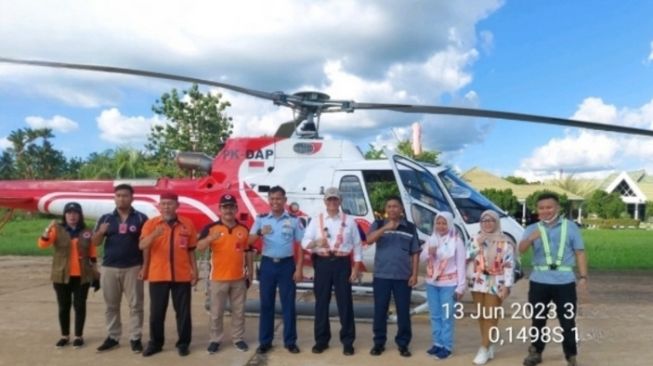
<point>279,273</point>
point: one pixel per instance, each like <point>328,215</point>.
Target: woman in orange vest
<point>73,268</point>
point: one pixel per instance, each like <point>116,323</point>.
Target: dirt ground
<point>615,328</point>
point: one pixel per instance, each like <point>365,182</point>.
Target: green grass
<point>615,250</point>
<point>606,249</point>
<point>19,237</point>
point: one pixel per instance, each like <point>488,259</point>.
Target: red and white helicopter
<point>295,158</point>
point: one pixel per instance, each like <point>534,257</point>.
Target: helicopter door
<point>354,198</point>
<point>422,195</point>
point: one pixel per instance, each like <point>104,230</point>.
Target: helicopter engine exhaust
<point>194,161</point>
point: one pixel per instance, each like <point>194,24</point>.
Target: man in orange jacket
<point>171,271</point>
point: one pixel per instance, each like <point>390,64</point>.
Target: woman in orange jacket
<point>73,268</point>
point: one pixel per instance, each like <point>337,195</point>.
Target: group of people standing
<point>161,251</point>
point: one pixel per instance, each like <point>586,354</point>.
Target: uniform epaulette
<point>263,215</point>
<point>292,215</point>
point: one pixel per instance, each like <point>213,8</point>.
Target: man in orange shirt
<point>171,269</point>
<point>231,272</point>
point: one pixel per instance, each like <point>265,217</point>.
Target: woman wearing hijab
<point>492,253</point>
<point>73,268</point>
<point>444,255</point>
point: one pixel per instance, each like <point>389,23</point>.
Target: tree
<point>33,160</point>
<point>606,205</point>
<point>578,187</point>
<point>531,201</point>
<point>516,180</point>
<point>405,148</point>
<point>504,198</point>
<point>196,122</point>
<point>116,164</point>
<point>7,168</point>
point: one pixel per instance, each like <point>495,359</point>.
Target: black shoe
<point>78,342</point>
<point>377,350</point>
<point>263,349</point>
<point>319,348</point>
<point>136,345</point>
<point>292,348</point>
<point>62,343</point>
<point>151,350</point>
<point>404,352</point>
<point>213,347</point>
<point>241,346</point>
<point>108,344</point>
<point>348,350</point>
<point>183,350</point>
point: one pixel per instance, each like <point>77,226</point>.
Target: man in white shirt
<point>332,237</point>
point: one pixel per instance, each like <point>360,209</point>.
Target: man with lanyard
<point>332,237</point>
<point>231,272</point>
<point>122,267</point>
<point>171,271</point>
<point>557,247</point>
<point>395,273</point>
<point>279,231</point>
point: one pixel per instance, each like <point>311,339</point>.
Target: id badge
<point>122,228</point>
<point>183,241</point>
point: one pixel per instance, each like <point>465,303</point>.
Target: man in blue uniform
<point>122,267</point>
<point>279,231</point>
<point>395,273</point>
<point>557,247</point>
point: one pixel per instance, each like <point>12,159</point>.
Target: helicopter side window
<point>353,197</point>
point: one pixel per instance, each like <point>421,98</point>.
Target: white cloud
<point>56,123</point>
<point>120,129</point>
<point>5,143</point>
<point>356,49</point>
<point>594,152</point>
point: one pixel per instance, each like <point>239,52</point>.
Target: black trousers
<point>75,294</point>
<point>159,295</point>
<point>564,298</point>
<point>333,273</point>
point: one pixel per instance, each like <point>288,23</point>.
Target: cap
<point>72,206</point>
<point>169,196</point>
<point>332,192</point>
<point>227,199</point>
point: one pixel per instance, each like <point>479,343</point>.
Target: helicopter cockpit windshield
<point>469,202</point>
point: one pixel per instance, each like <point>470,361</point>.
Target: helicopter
<point>297,158</point>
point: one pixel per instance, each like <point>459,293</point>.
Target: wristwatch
<point>259,232</point>
<point>582,277</point>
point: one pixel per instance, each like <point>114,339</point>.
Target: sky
<point>571,59</point>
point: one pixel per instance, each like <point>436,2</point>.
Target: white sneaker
<point>491,350</point>
<point>481,356</point>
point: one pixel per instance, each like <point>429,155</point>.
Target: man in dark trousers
<point>557,247</point>
<point>395,273</point>
<point>122,267</point>
<point>172,270</point>
<point>279,231</point>
<point>332,237</point>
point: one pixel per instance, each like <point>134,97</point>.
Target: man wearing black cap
<point>333,237</point>
<point>231,273</point>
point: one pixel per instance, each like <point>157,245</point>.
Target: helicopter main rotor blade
<point>484,113</point>
<point>277,97</point>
